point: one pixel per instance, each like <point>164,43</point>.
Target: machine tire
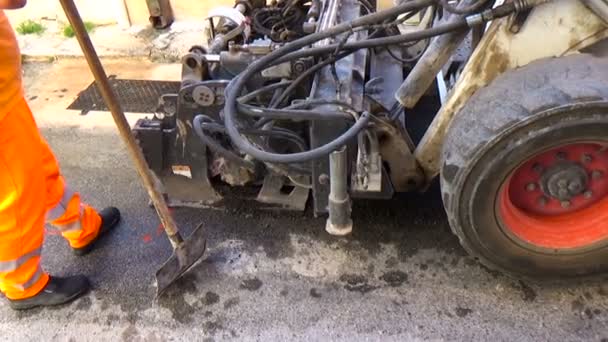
<point>523,116</point>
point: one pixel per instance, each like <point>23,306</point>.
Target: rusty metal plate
<point>135,96</point>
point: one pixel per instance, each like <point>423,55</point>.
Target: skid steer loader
<point>292,102</point>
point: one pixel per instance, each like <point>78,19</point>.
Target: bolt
<point>561,155</point>
<point>299,67</point>
<point>597,174</point>
<point>563,193</point>
<point>562,183</point>
<point>323,179</point>
<point>241,8</point>
<point>542,201</point>
<point>588,194</point>
<point>586,158</point>
<point>575,187</point>
<point>565,204</point>
<point>531,187</point>
<point>537,168</point>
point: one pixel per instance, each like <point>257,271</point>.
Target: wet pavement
<point>401,276</point>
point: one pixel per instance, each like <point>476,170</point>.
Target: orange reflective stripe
<point>12,265</point>
<point>89,222</point>
<point>72,226</point>
<point>58,211</point>
<point>32,281</point>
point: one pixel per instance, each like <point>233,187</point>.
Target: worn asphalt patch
<point>267,276</point>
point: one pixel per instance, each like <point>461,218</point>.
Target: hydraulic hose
<point>319,66</point>
<point>290,50</point>
<point>472,20</point>
<point>292,114</point>
<point>311,154</point>
<point>373,43</point>
<point>217,147</point>
<point>200,127</point>
<point>311,71</point>
<point>467,9</point>
<point>415,36</point>
<point>275,132</point>
<point>320,102</point>
<point>250,96</point>
<point>204,123</point>
<point>308,104</point>
<point>237,84</point>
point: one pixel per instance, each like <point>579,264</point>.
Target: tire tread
<point>510,98</point>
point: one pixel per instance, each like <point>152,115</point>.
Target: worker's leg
<point>78,222</point>
<point>30,185</point>
<point>22,205</point>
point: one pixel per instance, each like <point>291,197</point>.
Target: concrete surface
<point>121,11</point>
<point>113,41</point>
<point>108,11</point>
<point>274,276</point>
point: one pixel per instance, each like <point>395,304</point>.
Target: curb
<point>153,56</point>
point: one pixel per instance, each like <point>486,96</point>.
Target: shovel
<point>185,252</point>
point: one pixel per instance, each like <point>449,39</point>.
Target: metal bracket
<point>271,194</point>
<point>374,89</point>
<point>167,106</point>
<point>161,14</point>
<point>192,193</point>
<point>232,14</point>
<point>367,175</point>
<point>203,94</point>
<point>517,21</point>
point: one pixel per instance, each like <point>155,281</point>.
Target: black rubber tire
<point>523,112</point>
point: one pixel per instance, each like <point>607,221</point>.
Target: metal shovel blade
<point>184,256</point>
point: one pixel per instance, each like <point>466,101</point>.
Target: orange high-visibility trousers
<point>32,194</point>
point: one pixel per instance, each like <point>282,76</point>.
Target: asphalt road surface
<point>401,276</point>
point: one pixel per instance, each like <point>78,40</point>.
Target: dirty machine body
<point>323,102</point>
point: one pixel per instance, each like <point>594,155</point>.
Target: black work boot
<point>109,219</point>
<point>56,292</point>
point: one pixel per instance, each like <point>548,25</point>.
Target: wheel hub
<point>559,198</point>
<point>564,181</point>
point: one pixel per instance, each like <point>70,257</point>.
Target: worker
<point>34,194</point>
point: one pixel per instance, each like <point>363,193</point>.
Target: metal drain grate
<point>135,96</point>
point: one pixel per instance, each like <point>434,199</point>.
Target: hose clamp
<point>474,20</point>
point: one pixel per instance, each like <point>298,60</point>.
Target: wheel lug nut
<point>597,174</point>
<point>586,158</point>
<point>531,187</point>
<point>537,168</point>
<point>542,201</point>
<point>588,194</point>
<point>575,187</point>
<point>565,204</point>
<point>561,155</point>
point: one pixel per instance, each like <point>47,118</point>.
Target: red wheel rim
<point>558,199</point>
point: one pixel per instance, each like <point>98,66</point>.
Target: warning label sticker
<point>182,170</point>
